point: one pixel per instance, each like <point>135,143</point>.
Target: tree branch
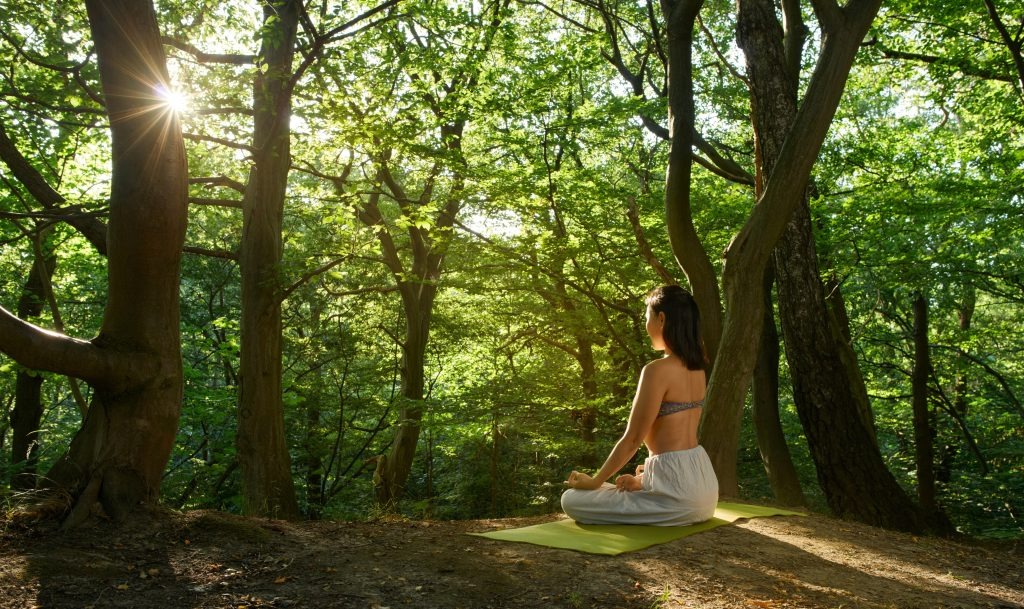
<point>201,57</point>
<point>964,66</point>
<point>33,181</point>
<point>40,349</point>
<point>1012,45</point>
<point>220,181</point>
<point>202,251</point>
<point>215,202</point>
<point>195,137</point>
<point>311,274</point>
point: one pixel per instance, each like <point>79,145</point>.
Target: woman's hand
<point>582,481</point>
<point>628,482</point>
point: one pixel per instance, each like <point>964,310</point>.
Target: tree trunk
<point>765,399</point>
<point>588,414</point>
<point>134,364</point>
<point>748,253</point>
<point>314,466</point>
<point>949,450</point>
<point>418,303</point>
<point>839,323</point>
<point>267,485</point>
<point>418,285</point>
<point>924,451</point>
<point>680,16</point>
<point>851,471</point>
<point>824,389</point>
<point>28,406</point>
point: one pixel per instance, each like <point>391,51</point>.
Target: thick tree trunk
<point>748,253</point>
<point>134,364</point>
<point>839,323</point>
<point>923,450</point>
<point>28,406</point>
<point>265,465</point>
<point>851,472</point>
<point>765,399</point>
<point>692,257</point>
<point>823,384</point>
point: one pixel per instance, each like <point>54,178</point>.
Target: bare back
<point>676,431</point>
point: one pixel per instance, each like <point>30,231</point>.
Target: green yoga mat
<point>615,539</point>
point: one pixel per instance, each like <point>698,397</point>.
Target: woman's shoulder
<point>661,366</point>
<point>668,367</point>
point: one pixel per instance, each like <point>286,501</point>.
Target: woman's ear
<point>661,318</point>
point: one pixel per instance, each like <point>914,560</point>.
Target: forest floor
<point>205,559</point>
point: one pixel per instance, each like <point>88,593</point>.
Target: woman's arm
<point>646,403</point>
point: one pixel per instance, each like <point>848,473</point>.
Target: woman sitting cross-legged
<point>676,485</point>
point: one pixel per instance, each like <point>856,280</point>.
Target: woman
<point>676,485</point>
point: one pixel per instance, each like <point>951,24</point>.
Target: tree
<point>827,386</point>
<point>267,486</point>
<point>134,363</point>
<point>843,29</point>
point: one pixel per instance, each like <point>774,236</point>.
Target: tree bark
<point>28,407</point>
<point>262,448</point>
<point>771,440</point>
<point>418,303</point>
<point>923,449</point>
<point>134,364</point>
<point>826,385</point>
<point>690,254</point>
<point>748,253</point>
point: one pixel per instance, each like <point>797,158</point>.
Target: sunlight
<point>176,101</point>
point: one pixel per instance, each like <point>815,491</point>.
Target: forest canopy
<point>413,239</point>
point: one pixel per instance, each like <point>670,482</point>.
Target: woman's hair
<point>682,324</point>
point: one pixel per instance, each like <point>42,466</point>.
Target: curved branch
<point>1014,46</point>
<point>33,181</point>
<point>41,349</point>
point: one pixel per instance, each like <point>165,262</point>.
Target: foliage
<point>539,317</point>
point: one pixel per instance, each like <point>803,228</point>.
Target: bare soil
<point>205,559</point>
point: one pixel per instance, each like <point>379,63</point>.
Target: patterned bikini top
<point>668,408</point>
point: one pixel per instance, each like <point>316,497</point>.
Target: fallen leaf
<point>122,587</point>
<point>281,580</point>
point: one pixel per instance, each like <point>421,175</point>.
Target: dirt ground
<point>207,559</point>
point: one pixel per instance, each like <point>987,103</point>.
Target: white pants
<point>679,487</point>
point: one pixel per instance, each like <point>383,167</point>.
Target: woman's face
<point>655,323</point>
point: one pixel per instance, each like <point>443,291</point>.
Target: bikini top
<point>668,408</point>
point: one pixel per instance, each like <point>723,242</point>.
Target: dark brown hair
<point>682,324</point>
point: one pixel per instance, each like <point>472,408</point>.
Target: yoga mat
<point>612,539</point>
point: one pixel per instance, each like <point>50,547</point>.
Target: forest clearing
<point>296,293</point>
<point>204,559</point>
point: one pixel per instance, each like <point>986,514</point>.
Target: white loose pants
<point>679,487</point>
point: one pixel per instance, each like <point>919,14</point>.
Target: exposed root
<point>84,505</point>
<point>29,508</point>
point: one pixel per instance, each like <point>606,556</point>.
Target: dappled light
<point>340,282</point>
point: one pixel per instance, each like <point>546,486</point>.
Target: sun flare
<point>175,101</point>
